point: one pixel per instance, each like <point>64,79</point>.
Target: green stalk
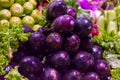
<point>112,26</point>
<point>101,22</point>
<point>106,19</point>
<point>111,15</point>
<point>117,10</point>
<point>112,23</point>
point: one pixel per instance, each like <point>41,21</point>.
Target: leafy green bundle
<point>10,40</point>
<point>110,41</point>
<point>14,75</point>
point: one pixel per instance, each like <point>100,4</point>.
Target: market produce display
<point>59,40</point>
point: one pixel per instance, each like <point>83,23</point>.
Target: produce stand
<point>59,39</point>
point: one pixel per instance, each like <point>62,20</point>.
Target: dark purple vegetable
<point>27,29</point>
<point>83,26</point>
<point>106,77</point>
<point>91,76</point>
<point>50,74</point>
<point>72,43</point>
<point>83,61</point>
<point>2,78</point>
<point>102,67</point>
<point>10,66</point>
<point>17,56</point>
<point>25,49</point>
<point>63,24</point>
<point>97,52</point>
<point>37,40</point>
<point>54,41</point>
<point>30,65</point>
<point>71,11</point>
<point>60,60</point>
<point>73,75</point>
<point>86,44</point>
<point>55,9</point>
<point>45,30</point>
<point>32,77</point>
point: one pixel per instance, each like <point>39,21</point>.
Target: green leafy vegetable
<point>110,41</point>
<point>14,75</point>
<point>10,40</point>
<point>3,62</point>
<point>115,74</point>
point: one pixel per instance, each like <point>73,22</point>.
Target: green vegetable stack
<point>22,12</point>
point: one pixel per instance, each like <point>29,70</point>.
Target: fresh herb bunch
<point>115,74</point>
<point>10,40</point>
<point>110,41</point>
<point>14,75</point>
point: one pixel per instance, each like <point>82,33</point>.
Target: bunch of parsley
<point>10,38</point>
